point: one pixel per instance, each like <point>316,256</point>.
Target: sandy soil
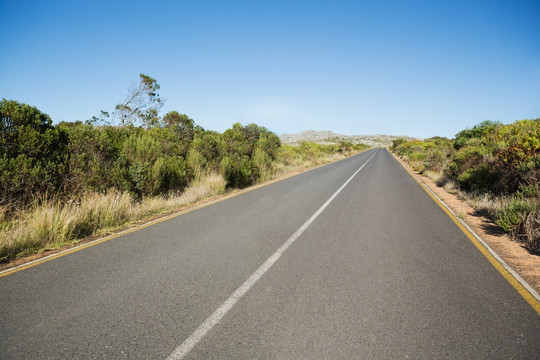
<point>514,254</point>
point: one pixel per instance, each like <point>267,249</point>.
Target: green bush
<point>238,171</point>
<point>479,131</point>
<point>209,145</point>
<point>530,191</point>
<point>435,160</point>
<point>480,179</point>
<point>33,156</point>
<point>262,162</point>
<point>518,155</point>
<point>396,143</point>
<point>93,156</point>
<point>287,154</point>
<point>66,161</point>
<point>417,156</point>
<point>168,174</point>
<point>515,212</point>
<point>248,151</point>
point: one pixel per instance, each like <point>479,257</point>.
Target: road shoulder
<point>514,254</point>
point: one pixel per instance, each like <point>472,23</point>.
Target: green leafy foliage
<point>66,161</point>
<point>168,174</point>
<point>93,157</point>
<point>248,151</point>
<point>33,155</point>
<point>477,132</point>
<point>72,179</point>
<point>490,159</point>
<point>515,212</point>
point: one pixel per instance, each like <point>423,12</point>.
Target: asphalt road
<point>381,273</point>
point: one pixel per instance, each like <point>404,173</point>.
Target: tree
<point>32,153</point>
<point>101,119</point>
<point>247,152</point>
<point>142,103</point>
<point>181,123</point>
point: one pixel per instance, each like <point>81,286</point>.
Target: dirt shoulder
<point>514,254</point>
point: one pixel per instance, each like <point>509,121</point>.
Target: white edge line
<point>484,244</point>
<point>188,344</point>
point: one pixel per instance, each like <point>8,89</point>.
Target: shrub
<point>518,156</point>
<point>477,132</point>
<point>480,179</point>
<point>196,162</point>
<point>435,160</point>
<point>93,156</point>
<point>396,143</point>
<point>510,216</point>
<point>248,153</point>
<point>238,171</point>
<point>490,160</point>
<point>417,156</point>
<point>33,156</point>
<point>263,163</point>
<point>209,145</point>
<point>287,154</point>
<point>168,174</point>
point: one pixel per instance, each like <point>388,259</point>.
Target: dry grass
<point>529,232</point>
<point>300,162</point>
<point>484,204</point>
<point>487,205</point>
<point>436,176</point>
<point>450,186</point>
<point>2,215</point>
<point>53,224</point>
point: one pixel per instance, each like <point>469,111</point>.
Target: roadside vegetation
<point>62,183</point>
<point>495,167</point>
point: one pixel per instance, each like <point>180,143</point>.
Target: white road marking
<point>228,304</point>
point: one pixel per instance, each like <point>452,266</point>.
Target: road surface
<point>371,268</point>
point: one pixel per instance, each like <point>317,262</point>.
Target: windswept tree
<point>142,103</point>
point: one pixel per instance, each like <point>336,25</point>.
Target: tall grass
<point>299,158</point>
<point>52,224</point>
<point>529,231</point>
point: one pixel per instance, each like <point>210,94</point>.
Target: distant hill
<point>329,137</point>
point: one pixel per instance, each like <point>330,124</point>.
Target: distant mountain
<point>329,137</point>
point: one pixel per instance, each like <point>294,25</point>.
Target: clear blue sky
<point>418,68</point>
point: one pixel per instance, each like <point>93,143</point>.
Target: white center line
<point>228,304</point>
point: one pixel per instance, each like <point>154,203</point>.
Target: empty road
<point>352,260</point>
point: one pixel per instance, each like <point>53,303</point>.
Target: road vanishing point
<point>352,260</point>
